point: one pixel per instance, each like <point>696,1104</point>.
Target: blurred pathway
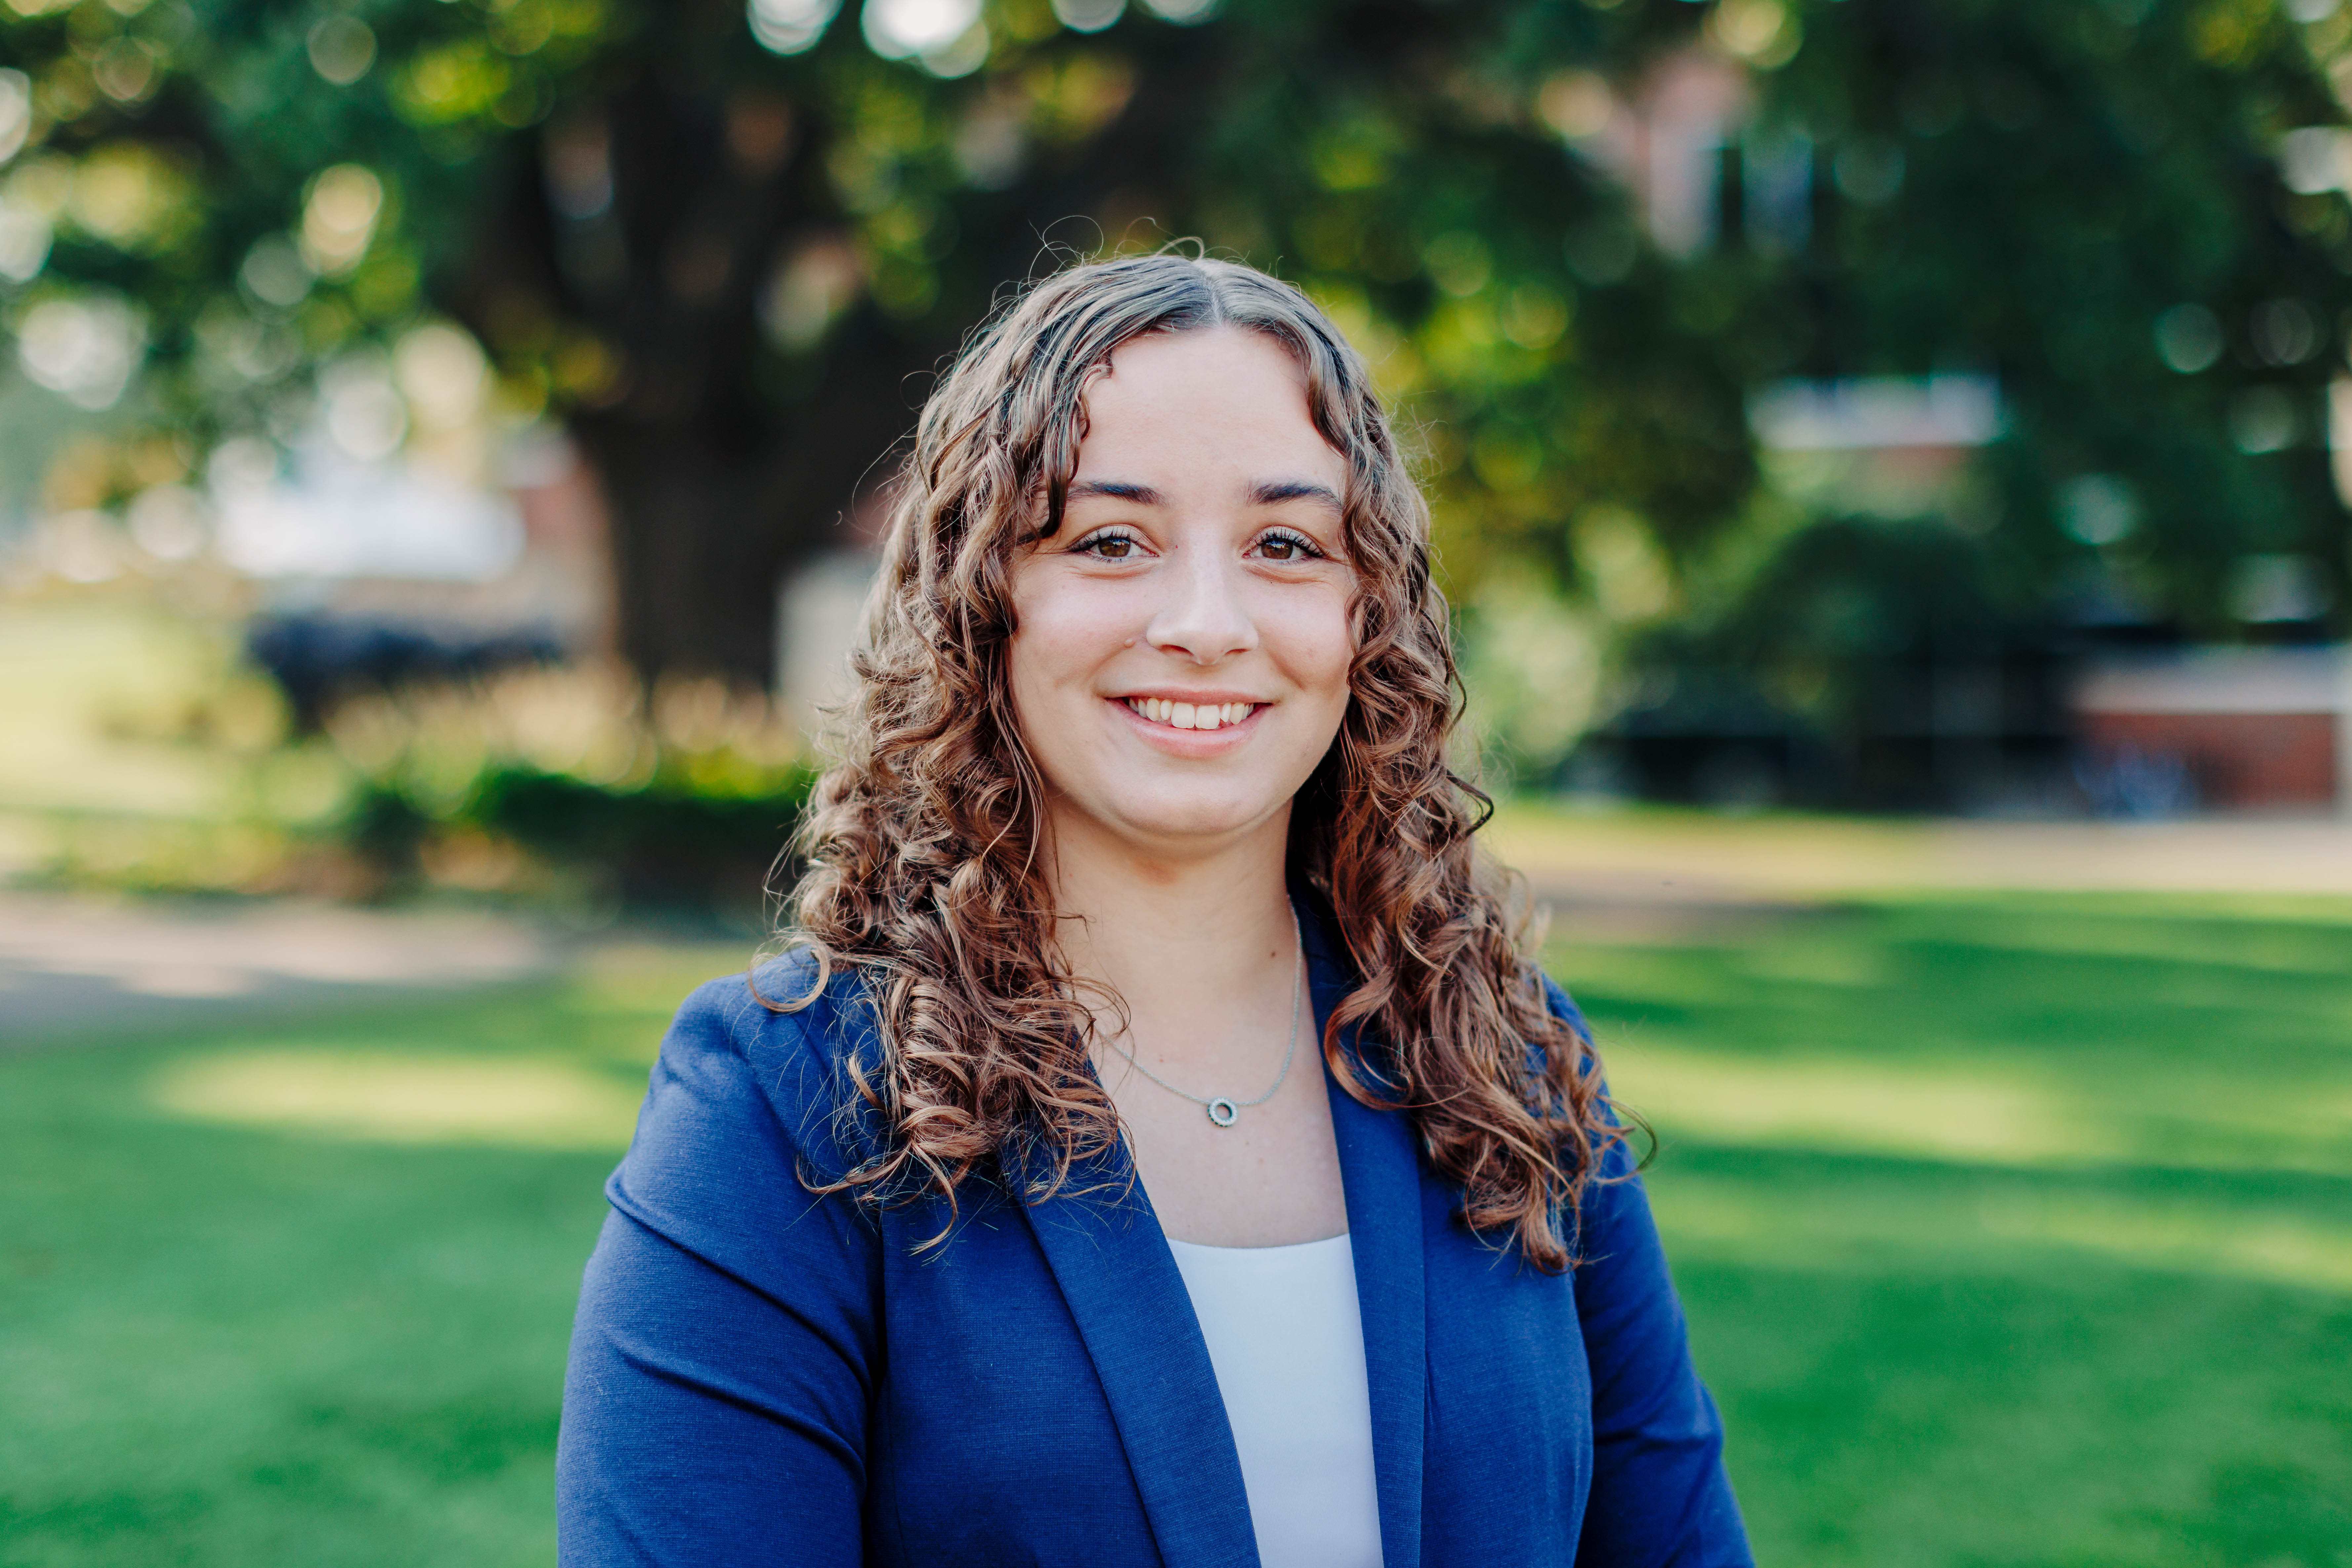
<point>71,966</point>
<point>1676,859</point>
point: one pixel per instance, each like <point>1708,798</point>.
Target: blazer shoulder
<point>1563,1007</point>
<point>1618,1160</point>
<point>781,1010</point>
<point>774,1030</point>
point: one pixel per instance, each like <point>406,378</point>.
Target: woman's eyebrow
<point>1265,492</point>
<point>1118,490</point>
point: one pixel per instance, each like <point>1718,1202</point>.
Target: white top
<point>1287,1342</point>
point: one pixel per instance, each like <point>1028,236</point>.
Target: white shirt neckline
<point>1285,1338</point>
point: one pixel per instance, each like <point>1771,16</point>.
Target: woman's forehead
<point>1173,407</point>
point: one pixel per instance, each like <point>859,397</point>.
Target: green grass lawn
<point>2012,1230</point>
<point>321,1326</point>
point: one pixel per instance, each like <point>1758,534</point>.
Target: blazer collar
<point>1120,1280</point>
<point>1381,1173</point>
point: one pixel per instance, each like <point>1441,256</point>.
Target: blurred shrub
<point>1858,661</point>
<point>570,783</point>
<point>1532,663</point>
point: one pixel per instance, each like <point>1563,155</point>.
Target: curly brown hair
<point>922,844</point>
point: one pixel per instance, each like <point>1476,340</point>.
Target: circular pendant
<point>1224,1112</point>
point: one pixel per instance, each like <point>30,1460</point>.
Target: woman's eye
<point>1109,547</point>
<point>1285,547</point>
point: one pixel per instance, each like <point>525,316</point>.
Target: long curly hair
<point>922,846</point>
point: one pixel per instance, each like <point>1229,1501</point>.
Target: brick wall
<point>2239,759</point>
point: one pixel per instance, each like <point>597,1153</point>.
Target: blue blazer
<point>760,1375</point>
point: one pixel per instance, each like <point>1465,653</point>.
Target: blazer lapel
<point>1132,1311</point>
<point>1136,1316</point>
<point>1381,1171</point>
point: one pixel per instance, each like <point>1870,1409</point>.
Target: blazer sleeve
<point>727,1342</point>
<point>1660,1498</point>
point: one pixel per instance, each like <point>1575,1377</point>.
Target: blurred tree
<point>2128,214</point>
<point>2089,202</point>
<point>729,248</point>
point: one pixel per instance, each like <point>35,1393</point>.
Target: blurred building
<point>819,610</point>
<point>519,549</point>
<point>2247,728</point>
<point>408,531</point>
<point>1931,707</point>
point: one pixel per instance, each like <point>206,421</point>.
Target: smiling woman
<point>993,1223</point>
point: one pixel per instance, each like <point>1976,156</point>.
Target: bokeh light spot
<point>394,1099</point>
<point>342,50</point>
<point>2189,338</point>
<point>789,27</point>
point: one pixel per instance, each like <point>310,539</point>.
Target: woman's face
<point>1180,659</point>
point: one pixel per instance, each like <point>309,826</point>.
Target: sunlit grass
<point>262,1303</point>
<point>2015,1229</point>
<point>2273,1238</point>
<point>372,1097</point>
<point>2012,1230</point>
<point>1826,1103</point>
<point>94,693</point>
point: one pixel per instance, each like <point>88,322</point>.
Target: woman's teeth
<point>1186,716</point>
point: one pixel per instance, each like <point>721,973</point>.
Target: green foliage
<point>179,154</point>
<point>675,814</point>
<point>647,217</point>
<point>2028,189</point>
<point>675,838</point>
<point>732,268</point>
<point>561,783</point>
<point>1849,631</point>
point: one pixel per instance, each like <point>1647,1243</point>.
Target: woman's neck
<point>1216,1074</point>
<point>1180,937</point>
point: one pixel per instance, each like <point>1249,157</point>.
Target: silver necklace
<point>1223,1109</point>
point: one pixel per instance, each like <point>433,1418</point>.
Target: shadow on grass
<point>248,1344</point>
<point>2010,1232</point>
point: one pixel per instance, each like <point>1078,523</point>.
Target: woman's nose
<point>1204,616</point>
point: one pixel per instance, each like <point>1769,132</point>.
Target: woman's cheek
<point>1318,646</point>
<point>1081,625</point>
<point>1048,648</point>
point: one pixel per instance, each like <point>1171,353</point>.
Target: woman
<point>1006,1220</point>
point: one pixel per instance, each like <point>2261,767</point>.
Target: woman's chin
<point>1188,821</point>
